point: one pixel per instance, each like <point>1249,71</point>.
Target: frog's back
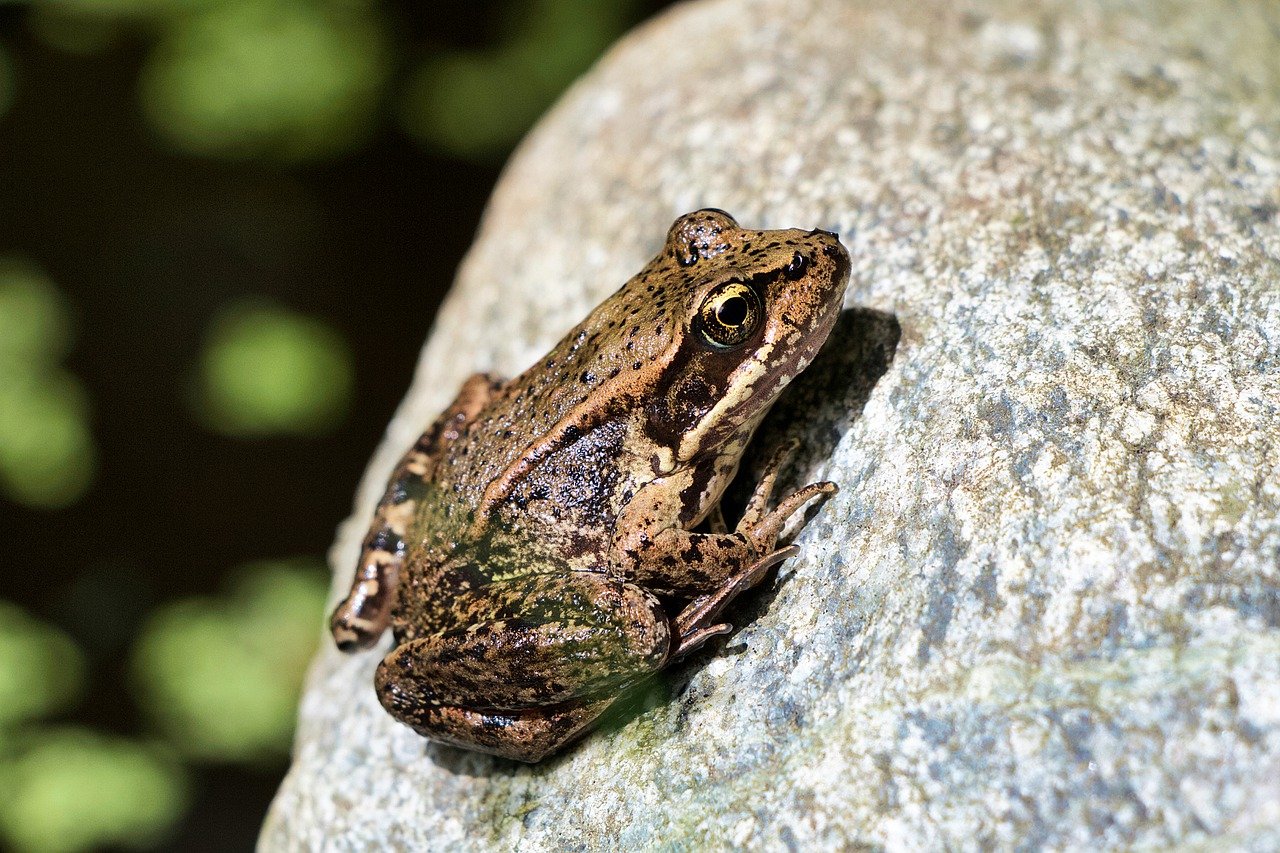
<point>563,431</point>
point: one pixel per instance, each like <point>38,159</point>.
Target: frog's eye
<point>729,315</point>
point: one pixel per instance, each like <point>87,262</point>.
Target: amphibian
<point>535,553</point>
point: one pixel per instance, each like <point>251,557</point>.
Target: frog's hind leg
<point>362,617</point>
<point>533,662</point>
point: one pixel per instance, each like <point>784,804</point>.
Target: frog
<point>554,540</point>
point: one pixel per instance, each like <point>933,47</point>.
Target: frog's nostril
<point>797,268</point>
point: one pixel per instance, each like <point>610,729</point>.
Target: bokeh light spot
<point>34,320</point>
<point>71,789</point>
<point>46,449</point>
<point>41,670</point>
<point>477,104</point>
<point>267,370</point>
<point>103,9</point>
<point>290,80</point>
<point>221,676</point>
<point>77,27</point>
<point>47,456</point>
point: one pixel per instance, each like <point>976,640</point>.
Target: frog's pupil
<point>732,311</point>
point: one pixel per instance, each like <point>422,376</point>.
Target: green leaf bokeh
<point>268,370</point>
<point>288,80</point>
<point>41,669</point>
<point>221,676</point>
<point>72,789</point>
<point>46,450</point>
<point>476,103</point>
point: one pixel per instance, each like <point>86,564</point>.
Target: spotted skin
<point>522,546</point>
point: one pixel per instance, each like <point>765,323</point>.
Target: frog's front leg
<point>652,550</point>
<point>532,662</point>
<point>366,611</point>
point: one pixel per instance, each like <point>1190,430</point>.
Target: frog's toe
<point>765,532</point>
<point>528,736</point>
<point>697,638</point>
<point>696,623</point>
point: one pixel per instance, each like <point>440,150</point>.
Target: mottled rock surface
<point>1045,607</point>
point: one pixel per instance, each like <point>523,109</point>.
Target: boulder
<point>1044,608</point>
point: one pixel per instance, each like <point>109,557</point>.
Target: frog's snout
<point>834,249</point>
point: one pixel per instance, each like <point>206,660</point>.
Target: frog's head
<point>753,309</point>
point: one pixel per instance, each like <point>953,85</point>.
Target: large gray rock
<point>1045,607</point>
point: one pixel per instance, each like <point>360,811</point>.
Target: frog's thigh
<point>364,614</point>
<point>528,643</point>
<point>528,735</point>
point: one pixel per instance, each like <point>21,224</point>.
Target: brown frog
<point>529,549</point>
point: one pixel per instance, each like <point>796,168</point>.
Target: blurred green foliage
<point>34,322</point>
<point>477,103</point>
<point>70,789</point>
<point>221,676</point>
<point>286,79</point>
<point>268,370</point>
<point>298,80</point>
<point>66,788</point>
<point>46,449</point>
<point>41,670</point>
<point>73,28</point>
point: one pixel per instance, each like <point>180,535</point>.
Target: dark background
<point>145,239</point>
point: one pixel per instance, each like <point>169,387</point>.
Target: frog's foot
<point>700,566</point>
<point>760,527</point>
<point>528,736</point>
<point>764,533</point>
<point>696,623</point>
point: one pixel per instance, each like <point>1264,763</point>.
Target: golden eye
<point>729,315</point>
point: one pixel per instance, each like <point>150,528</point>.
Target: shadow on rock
<point>819,406</point>
<point>822,403</point>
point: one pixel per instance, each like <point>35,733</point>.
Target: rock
<point>1044,610</point>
